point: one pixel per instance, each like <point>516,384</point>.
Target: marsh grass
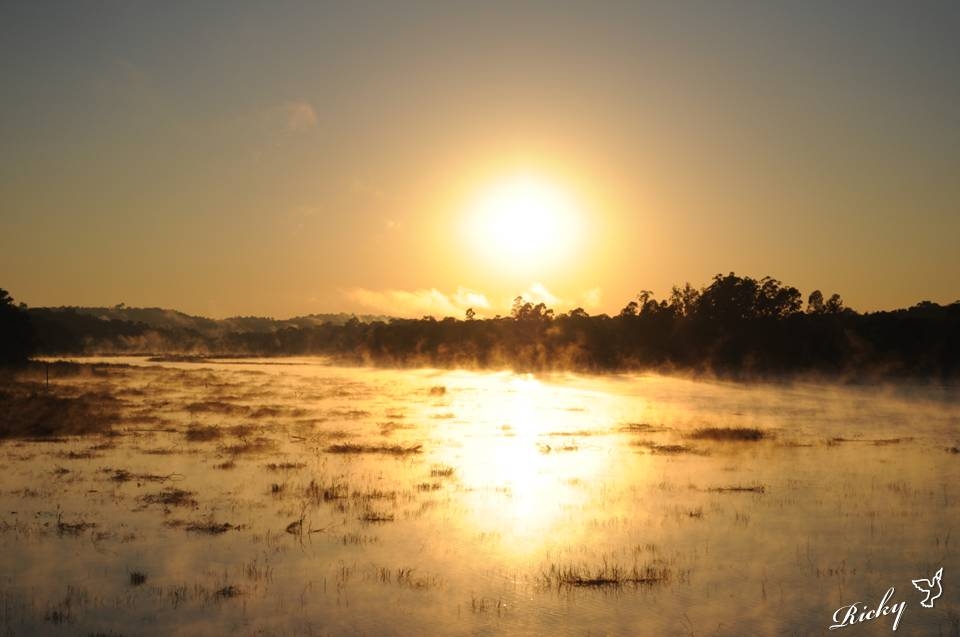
<point>387,428</point>
<point>393,450</point>
<point>374,494</point>
<point>240,431</point>
<point>376,517</point>
<point>729,434</point>
<point>257,571</point>
<point>84,454</point>
<point>482,605</point>
<point>202,433</point>
<point>161,451</point>
<point>250,446</point>
<point>327,491</point>
<point>579,433</point>
<point>878,442</point>
<point>28,410</point>
<point>217,407</point>
<point>72,528</point>
<point>170,498</point>
<point>667,450</point>
<point>277,411</point>
<point>210,527</point>
<point>545,448</point>
<point>441,471</point>
<point>284,466</point>
<point>759,488</point>
<point>228,592</point>
<point>642,427</point>
<point>604,576</point>
<point>406,577</point>
<point>123,475</point>
<point>348,414</point>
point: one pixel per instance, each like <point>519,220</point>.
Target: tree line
<point>733,325</point>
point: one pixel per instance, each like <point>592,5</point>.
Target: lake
<point>294,497</point>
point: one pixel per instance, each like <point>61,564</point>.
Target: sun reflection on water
<point>526,447</point>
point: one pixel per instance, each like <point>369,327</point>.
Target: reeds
<point>729,434</point>
<point>604,576</point>
<point>393,450</point>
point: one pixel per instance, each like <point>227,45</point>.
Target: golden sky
<point>418,158</point>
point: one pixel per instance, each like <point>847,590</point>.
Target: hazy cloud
<point>416,303</point>
<point>299,115</point>
<point>433,302</point>
<point>539,293</point>
<point>591,298</point>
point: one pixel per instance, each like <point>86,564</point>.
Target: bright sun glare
<point>523,223</point>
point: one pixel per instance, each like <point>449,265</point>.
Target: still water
<point>292,497</point>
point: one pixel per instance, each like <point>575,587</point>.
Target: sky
<point>411,158</point>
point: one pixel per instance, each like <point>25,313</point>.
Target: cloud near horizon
<point>433,302</point>
<point>538,293</point>
<point>417,303</point>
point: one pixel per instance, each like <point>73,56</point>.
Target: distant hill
<point>163,319</point>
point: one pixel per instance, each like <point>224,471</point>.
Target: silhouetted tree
<point>815,303</point>
<point>834,305</point>
<point>518,307</point>
<point>16,334</point>
<point>630,309</point>
<point>526,311</point>
<point>683,301</point>
<point>729,298</point>
<point>776,300</point>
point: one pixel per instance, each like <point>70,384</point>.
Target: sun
<point>523,223</point>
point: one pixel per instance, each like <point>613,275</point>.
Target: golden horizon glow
<point>523,224</point>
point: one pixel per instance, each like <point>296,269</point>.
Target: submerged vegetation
<point>734,325</point>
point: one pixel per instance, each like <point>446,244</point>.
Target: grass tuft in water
<point>170,497</point>
<point>759,488</point>
<point>393,450</point>
<point>604,576</point>
<point>209,527</point>
<point>729,434</point>
<point>199,433</point>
